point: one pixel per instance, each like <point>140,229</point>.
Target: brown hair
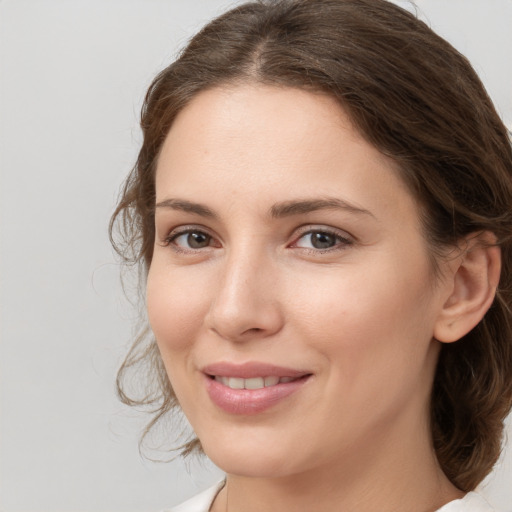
<point>417,100</point>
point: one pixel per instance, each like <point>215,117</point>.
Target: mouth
<point>254,382</point>
<point>251,388</point>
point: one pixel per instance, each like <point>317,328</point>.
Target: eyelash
<point>342,240</point>
<point>175,234</point>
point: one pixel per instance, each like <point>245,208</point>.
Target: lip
<point>251,401</point>
<point>250,370</point>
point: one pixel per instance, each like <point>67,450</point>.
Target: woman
<point>322,210</point>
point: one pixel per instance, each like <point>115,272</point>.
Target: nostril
<point>254,329</point>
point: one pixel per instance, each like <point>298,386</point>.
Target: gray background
<point>72,78</point>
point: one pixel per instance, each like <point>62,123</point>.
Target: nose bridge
<point>245,303</point>
<point>241,267</point>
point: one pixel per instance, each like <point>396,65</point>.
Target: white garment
<point>471,502</point>
<point>200,502</point>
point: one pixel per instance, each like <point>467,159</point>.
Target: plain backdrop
<point>72,77</point>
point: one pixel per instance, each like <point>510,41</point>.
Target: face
<point>290,290</point>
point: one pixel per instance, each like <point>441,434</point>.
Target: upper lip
<point>250,370</point>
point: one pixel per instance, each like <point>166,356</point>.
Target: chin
<point>249,459</point>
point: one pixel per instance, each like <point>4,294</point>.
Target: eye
<point>193,240</point>
<point>190,239</point>
<point>321,240</point>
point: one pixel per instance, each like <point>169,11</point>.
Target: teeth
<point>253,383</point>
<point>271,381</point>
<point>235,383</point>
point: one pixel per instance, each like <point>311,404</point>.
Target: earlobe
<point>473,281</point>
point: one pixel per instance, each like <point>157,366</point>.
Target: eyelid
<point>342,235</point>
<point>174,233</point>
<point>307,228</point>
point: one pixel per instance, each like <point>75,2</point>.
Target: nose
<point>245,305</point>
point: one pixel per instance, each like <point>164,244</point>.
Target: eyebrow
<point>278,210</point>
<point>187,206</point>
<point>297,207</point>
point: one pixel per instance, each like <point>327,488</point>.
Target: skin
<point>359,316</point>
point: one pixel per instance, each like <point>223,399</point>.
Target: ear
<point>472,282</point>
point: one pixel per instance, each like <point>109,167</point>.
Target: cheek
<point>376,348</point>
<point>175,308</point>
<point>369,324</point>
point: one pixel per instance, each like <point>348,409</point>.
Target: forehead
<point>263,143</point>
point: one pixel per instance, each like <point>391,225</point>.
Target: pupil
<point>322,240</point>
<point>198,240</point>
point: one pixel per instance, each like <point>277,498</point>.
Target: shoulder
<point>200,502</point>
<point>471,502</point>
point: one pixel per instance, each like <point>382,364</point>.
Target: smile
<point>251,388</point>
<point>252,383</point>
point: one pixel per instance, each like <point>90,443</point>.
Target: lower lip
<point>250,401</point>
